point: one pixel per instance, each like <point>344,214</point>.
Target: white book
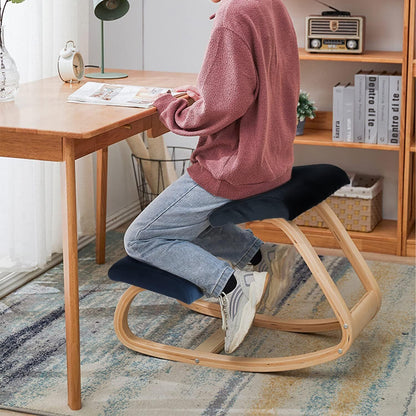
<point>395,96</point>
<point>359,106</point>
<point>347,125</point>
<point>337,102</point>
<point>383,108</point>
<point>371,107</point>
<point>118,95</point>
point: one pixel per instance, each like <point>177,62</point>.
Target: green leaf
<point>305,107</point>
<point>17,1</point>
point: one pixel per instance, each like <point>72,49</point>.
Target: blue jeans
<point>173,233</point>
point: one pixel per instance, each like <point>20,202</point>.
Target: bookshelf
<point>408,229</point>
<point>389,236</point>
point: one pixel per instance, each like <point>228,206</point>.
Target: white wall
<point>177,43</point>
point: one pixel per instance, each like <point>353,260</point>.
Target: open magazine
<point>120,95</point>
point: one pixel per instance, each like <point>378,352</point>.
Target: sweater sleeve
<point>227,83</point>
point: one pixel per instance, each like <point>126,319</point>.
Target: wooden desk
<point>41,125</point>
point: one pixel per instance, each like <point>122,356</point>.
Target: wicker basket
<point>358,205</point>
<point>179,161</point>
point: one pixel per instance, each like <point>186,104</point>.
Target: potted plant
<point>306,108</point>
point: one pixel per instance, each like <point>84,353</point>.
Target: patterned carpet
<point>376,377</point>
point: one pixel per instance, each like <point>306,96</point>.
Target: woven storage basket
<point>179,161</point>
<point>358,205</point>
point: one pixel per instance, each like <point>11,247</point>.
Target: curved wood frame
<point>350,322</point>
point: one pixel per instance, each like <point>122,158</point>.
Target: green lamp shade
<point>110,9</point>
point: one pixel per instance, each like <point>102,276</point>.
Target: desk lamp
<point>108,10</point>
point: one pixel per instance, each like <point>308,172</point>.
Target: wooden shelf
<point>318,132</point>
<point>412,144</point>
<point>315,137</point>
<point>383,239</point>
<point>386,57</point>
<point>411,244</point>
<point>414,68</point>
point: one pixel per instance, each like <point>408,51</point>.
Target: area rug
<point>376,377</point>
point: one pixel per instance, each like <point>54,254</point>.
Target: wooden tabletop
<point>40,107</point>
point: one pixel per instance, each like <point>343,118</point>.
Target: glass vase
<point>9,76</point>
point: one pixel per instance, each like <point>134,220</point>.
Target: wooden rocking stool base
<point>309,186</point>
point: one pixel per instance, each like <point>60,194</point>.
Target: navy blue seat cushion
<point>137,273</point>
<point>308,186</point>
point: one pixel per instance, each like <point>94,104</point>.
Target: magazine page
<point>119,95</point>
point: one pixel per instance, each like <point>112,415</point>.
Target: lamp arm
<point>102,46</point>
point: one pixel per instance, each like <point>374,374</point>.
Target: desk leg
<point>70,251</point>
<point>102,167</point>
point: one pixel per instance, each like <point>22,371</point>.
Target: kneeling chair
<point>309,186</point>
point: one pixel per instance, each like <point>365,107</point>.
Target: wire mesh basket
<point>157,168</point>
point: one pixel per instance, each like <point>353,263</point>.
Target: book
<point>118,95</point>
<point>359,105</point>
<point>343,113</point>
<point>395,95</point>
<point>383,108</point>
<point>337,103</point>
<point>347,125</point>
<point>371,108</point>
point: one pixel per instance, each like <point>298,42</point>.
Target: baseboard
<point>123,216</point>
<point>12,281</point>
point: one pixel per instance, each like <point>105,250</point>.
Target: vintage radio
<point>334,31</point>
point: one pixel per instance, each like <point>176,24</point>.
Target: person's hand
<point>190,90</point>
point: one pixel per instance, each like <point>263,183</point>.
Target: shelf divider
<point>387,57</point>
<point>411,244</point>
<point>318,132</point>
<point>383,239</point>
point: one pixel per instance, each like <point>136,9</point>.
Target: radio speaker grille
<point>321,27</point>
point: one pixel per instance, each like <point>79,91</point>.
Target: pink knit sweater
<point>249,88</point>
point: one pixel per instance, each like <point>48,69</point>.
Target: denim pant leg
<point>230,242</point>
<point>162,236</point>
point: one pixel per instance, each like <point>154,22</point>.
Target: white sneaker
<point>277,260</point>
<point>238,307</point>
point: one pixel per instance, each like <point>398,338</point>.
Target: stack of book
<point>369,110</point>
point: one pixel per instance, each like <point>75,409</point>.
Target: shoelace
<point>223,301</point>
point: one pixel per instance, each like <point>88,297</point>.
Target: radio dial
<point>352,44</point>
<point>316,43</point>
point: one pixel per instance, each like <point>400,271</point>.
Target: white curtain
<point>30,202</point>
